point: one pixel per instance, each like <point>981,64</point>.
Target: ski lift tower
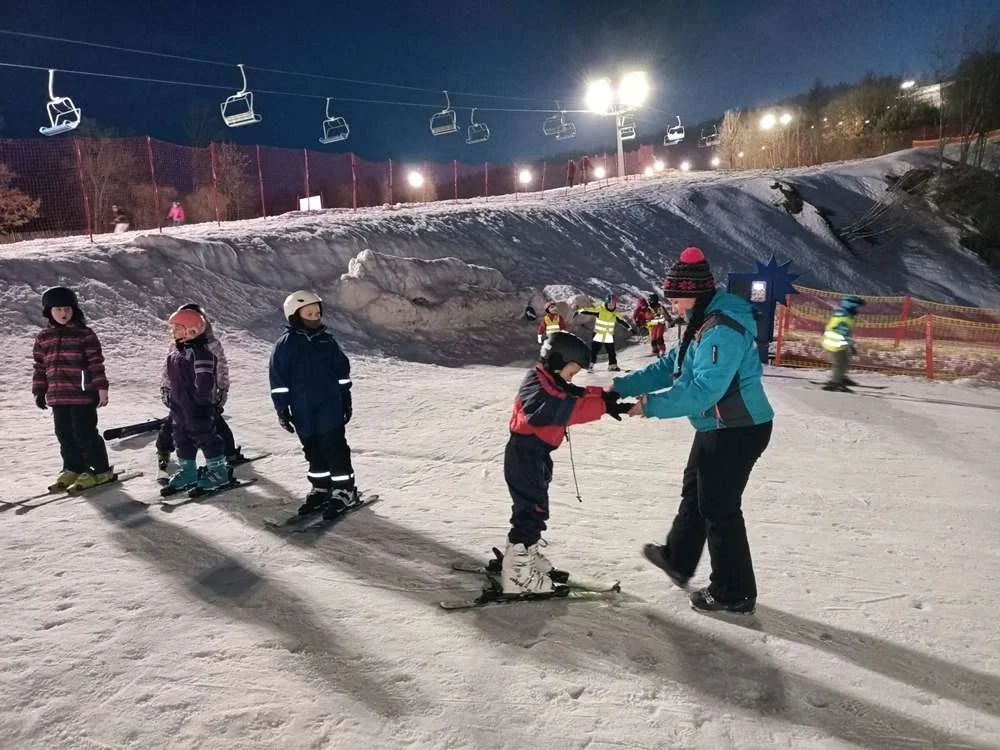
<point>604,99</point>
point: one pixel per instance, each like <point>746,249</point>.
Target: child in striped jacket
<point>69,377</point>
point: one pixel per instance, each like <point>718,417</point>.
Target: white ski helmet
<point>297,300</point>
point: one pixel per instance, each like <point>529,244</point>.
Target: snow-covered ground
<point>873,517</point>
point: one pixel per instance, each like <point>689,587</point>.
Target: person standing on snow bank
<point>839,341</point>
<point>120,219</point>
<point>177,215</point>
<point>570,173</point>
<point>714,379</point>
<point>551,322</point>
<point>192,396</point>
<point>546,404</point>
<point>69,377</point>
<point>311,390</point>
<point>165,439</point>
<point>604,330</point>
<point>640,316</point>
<point>657,324</point>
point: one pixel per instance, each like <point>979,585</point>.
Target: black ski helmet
<point>653,298</point>
<point>59,296</point>
<point>561,348</point>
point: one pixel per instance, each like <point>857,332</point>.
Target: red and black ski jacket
<point>69,365</point>
<point>546,405</point>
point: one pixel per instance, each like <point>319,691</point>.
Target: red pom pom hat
<point>690,276</point>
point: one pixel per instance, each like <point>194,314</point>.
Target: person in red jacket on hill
<point>546,404</point>
<point>69,377</point>
<point>551,322</point>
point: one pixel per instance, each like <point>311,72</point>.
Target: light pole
<point>602,98</point>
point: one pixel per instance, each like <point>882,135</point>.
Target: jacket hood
<point>734,307</point>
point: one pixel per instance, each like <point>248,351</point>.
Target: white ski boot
<point>520,574</point>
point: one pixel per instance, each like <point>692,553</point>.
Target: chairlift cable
<point>203,61</point>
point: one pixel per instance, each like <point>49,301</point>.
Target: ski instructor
<point>714,379</point>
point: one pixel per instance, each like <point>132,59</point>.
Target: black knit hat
<point>690,276</point>
<point>59,296</point>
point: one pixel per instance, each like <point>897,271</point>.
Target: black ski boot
<point>703,601</point>
<point>236,458</point>
<point>839,387</point>
<point>316,501</point>
<point>339,501</point>
<point>656,554</point>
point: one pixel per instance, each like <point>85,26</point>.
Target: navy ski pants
<point>527,467</point>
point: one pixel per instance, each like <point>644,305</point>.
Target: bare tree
<point>16,208</point>
<point>110,167</point>
<point>973,99</point>
<point>233,180</point>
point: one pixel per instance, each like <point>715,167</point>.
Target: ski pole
<point>572,465</point>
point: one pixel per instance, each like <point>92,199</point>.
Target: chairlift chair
<point>479,132</point>
<point>675,133</point>
<point>237,110</point>
<point>567,131</point>
<point>444,122</point>
<point>63,114</point>
<point>555,124</point>
<point>334,128</point>
<point>710,140</point>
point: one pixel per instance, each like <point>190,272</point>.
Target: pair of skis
<point>315,522</point>
<point>566,588</point>
<point>41,499</point>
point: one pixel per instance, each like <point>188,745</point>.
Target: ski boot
<point>316,501</point>
<point>849,381</point>
<point>614,368</point>
<point>162,461</point>
<point>703,601</point>
<point>520,574</point>
<point>87,480</point>
<point>215,475</point>
<point>839,387</point>
<point>64,481</point>
<point>656,554</point>
<point>340,501</point>
<point>184,477</point>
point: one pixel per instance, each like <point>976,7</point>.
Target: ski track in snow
<point>872,516</point>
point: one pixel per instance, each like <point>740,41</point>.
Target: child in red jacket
<point>69,377</point>
<point>551,322</point>
<point>546,404</point>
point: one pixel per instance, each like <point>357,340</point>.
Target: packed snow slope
<point>446,282</point>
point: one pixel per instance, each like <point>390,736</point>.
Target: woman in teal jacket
<point>713,377</point>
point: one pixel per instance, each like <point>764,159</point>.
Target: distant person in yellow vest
<point>604,331</point>
<point>551,322</point>
<point>839,341</point>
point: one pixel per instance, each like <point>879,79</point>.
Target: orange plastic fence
<point>901,335</point>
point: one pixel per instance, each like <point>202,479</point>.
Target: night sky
<point>701,58</point>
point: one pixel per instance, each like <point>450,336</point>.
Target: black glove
<point>611,405</point>
<point>285,419</point>
<point>40,401</point>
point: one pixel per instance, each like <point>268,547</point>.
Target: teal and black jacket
<point>719,384</point>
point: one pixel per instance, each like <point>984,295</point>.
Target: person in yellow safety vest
<point>839,341</point>
<point>604,330</point>
<point>551,322</point>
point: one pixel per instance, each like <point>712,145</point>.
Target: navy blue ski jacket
<point>311,375</point>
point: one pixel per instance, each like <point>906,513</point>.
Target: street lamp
<point>685,166</point>
<point>785,118</point>
<point>907,85</point>
<point>715,161</point>
<point>648,171</point>
<point>600,173</point>
<point>768,121</point>
<point>415,179</point>
<point>602,98</point>
<point>524,176</point>
<point>659,166</point>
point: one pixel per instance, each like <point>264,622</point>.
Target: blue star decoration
<point>779,277</point>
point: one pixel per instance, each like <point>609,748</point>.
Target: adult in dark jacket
<point>69,377</point>
<point>311,390</point>
<point>713,377</point>
<point>193,382</point>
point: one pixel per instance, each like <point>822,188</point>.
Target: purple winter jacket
<point>192,377</point>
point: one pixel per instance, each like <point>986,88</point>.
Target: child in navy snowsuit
<point>546,404</point>
<point>311,389</point>
<point>192,377</point>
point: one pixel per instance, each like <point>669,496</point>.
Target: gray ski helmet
<point>59,296</point>
<point>561,348</point>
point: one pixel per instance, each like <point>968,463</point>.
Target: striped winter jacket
<point>69,365</point>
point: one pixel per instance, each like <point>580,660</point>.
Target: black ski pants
<point>716,474</point>
<point>329,458</point>
<point>80,444</point>
<point>165,437</point>
<point>528,471</point>
<point>595,347</point>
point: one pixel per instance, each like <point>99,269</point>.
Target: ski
<point>294,520</point>
<point>317,523</point>
<point>855,385</point>
<point>23,506</point>
<point>195,493</point>
<point>130,430</point>
<point>490,597</point>
<point>164,478</point>
<point>560,577</point>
